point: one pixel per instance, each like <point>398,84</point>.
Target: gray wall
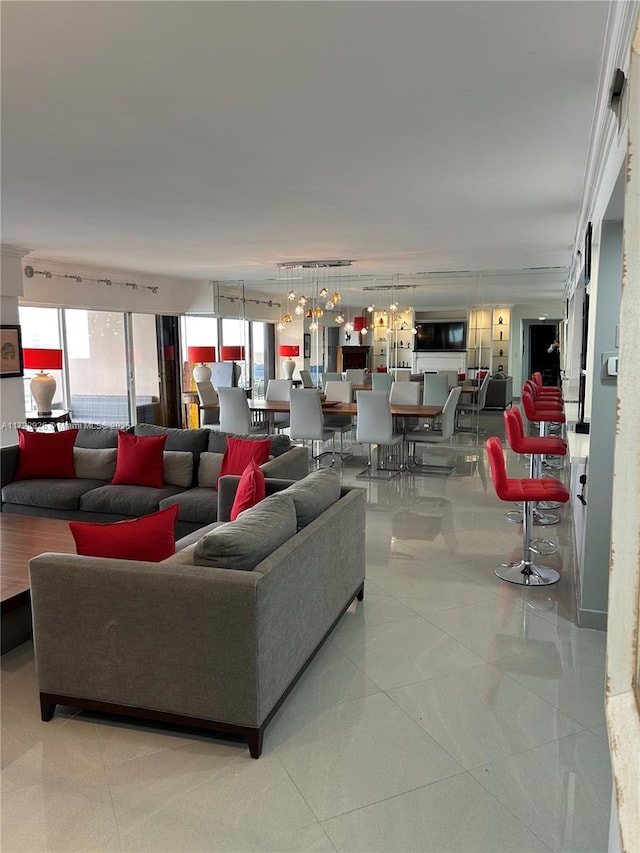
<point>595,579</point>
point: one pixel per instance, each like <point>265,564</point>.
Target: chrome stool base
<point>527,574</point>
<point>548,504</point>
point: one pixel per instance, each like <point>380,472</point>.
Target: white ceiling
<point>212,140</point>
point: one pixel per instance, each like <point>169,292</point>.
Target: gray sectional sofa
<point>215,636</point>
<point>192,462</point>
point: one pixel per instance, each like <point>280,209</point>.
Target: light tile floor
<point>449,711</point>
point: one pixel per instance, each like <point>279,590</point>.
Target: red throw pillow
<point>140,460</point>
<point>251,489</point>
<point>148,538</point>
<point>240,451</point>
<point>46,455</point>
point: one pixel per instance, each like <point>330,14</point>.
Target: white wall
<point>11,389</point>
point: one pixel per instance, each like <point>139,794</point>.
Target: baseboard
<point>596,619</point>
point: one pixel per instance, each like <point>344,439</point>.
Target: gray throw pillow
<point>245,542</point>
<point>94,463</point>
<point>314,494</point>
<point>209,469</point>
<point>279,443</point>
<point>177,468</point>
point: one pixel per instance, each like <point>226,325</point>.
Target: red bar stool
<point>536,447</point>
<point>540,410</point>
<point>525,572</point>
<point>550,390</point>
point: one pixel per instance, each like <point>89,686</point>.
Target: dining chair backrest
<point>207,393</point>
<point>208,397</point>
<point>449,412</point>
<point>405,393</point>
<point>381,382</point>
<point>403,374</point>
<point>375,424</point>
<point>306,414</point>
<point>355,375</point>
<point>340,391</point>
<point>482,393</point>
<point>307,381</point>
<point>436,389</point>
<point>330,376</point>
<point>234,410</point>
<point>278,389</point>
<point>452,377</point>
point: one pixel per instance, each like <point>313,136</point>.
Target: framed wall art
<point>11,362</point>
<point>307,345</point>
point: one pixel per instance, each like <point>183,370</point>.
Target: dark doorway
<point>541,336</point>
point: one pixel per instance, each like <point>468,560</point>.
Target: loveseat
<point>215,636</point>
<point>499,392</point>
<point>192,461</point>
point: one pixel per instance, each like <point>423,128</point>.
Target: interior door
<point>541,336</point>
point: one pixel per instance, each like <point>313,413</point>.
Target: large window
<point>41,330</point>
<point>97,359</point>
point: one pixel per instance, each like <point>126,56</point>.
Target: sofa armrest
<point>9,456</point>
<point>150,635</point>
<point>292,465</point>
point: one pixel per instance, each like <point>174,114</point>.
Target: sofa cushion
<point>148,538</point>
<point>126,500</point>
<point>193,441</point>
<point>250,491</point>
<point>240,452</point>
<point>279,443</point>
<point>314,494</point>
<point>49,494</point>
<point>209,469</point>
<point>177,468</point>
<point>139,460</point>
<point>94,463</point>
<point>195,506</point>
<point>98,437</point>
<point>256,533</point>
<point>45,455</point>
<point>190,440</point>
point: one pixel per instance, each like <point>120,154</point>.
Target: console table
<point>57,416</point>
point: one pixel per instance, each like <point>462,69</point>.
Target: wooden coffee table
<point>23,537</point>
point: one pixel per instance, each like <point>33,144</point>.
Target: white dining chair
<point>279,390</point>
<point>307,420</point>
<point>355,375</point>
<point>435,437</point>
<point>208,397</point>
<point>381,382</point>
<point>375,426</point>
<point>339,424</point>
<point>235,415</point>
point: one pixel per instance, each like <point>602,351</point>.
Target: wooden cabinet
<point>353,357</point>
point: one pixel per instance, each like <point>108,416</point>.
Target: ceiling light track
<point>30,273</point>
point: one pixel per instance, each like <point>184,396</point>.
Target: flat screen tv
<point>441,336</point>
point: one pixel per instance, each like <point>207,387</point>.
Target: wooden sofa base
<point>254,736</point>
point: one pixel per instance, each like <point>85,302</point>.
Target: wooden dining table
<point>399,411</point>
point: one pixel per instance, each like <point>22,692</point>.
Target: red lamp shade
<point>201,355</point>
<point>289,351</point>
<point>231,353</point>
<point>359,323</point>
<point>43,359</point>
